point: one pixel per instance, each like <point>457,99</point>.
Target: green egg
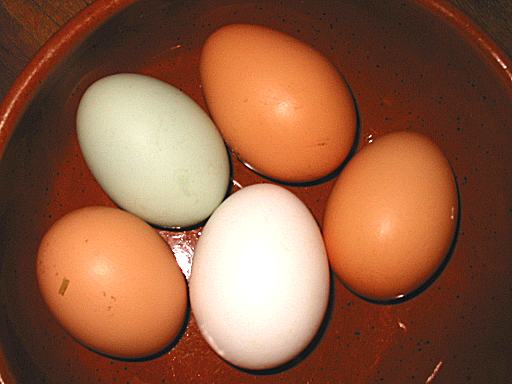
<point>152,149</point>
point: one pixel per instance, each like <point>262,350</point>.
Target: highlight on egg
<point>281,106</point>
<point>391,217</point>
<point>152,149</point>
<point>259,286</point>
<point>112,282</point>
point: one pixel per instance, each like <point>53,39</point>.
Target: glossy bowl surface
<point>418,65</point>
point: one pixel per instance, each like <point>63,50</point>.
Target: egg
<point>112,282</point>
<point>391,216</point>
<point>259,286</point>
<point>282,107</point>
<point>153,150</point>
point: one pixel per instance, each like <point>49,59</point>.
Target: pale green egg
<point>152,149</point>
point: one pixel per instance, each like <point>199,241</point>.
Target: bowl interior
<point>408,68</point>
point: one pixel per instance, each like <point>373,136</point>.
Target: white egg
<point>260,278</point>
<point>153,150</point>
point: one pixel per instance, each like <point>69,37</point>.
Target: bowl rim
<point>472,32</point>
<point>52,52</point>
<point>77,29</point>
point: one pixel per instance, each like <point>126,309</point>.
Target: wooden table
<point>26,24</point>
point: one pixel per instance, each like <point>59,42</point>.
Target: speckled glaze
<point>416,65</point>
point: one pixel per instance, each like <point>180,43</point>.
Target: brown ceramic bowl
<point>418,65</point>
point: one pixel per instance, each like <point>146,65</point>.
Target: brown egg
<point>390,219</point>
<point>112,282</point>
<point>279,104</point>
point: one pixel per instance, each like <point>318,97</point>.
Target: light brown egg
<point>112,282</point>
<point>390,219</point>
<point>279,103</point>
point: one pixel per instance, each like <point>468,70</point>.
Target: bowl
<point>415,65</point>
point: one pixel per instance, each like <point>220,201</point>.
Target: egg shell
<point>153,150</point>
<point>260,278</point>
<point>279,103</point>
<point>112,282</point>
<point>391,216</point>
